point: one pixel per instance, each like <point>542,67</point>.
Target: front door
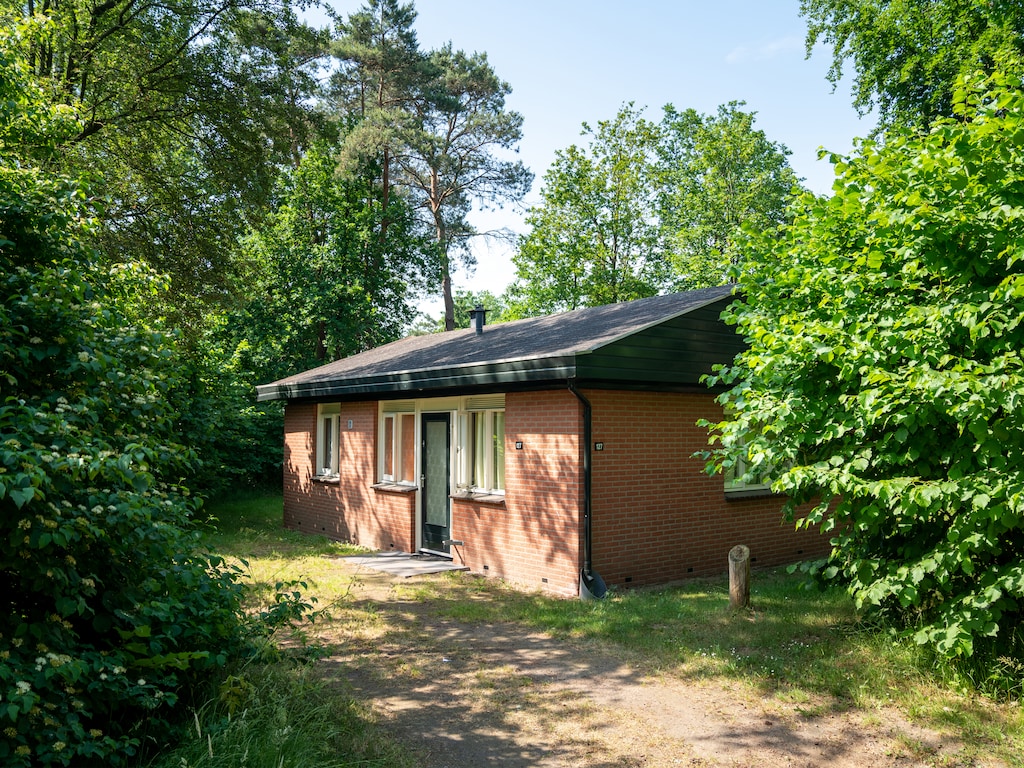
<point>434,481</point>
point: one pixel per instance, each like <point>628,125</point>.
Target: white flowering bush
<point>108,616</point>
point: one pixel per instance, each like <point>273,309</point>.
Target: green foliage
<point>237,439</point>
<point>108,613</point>
<point>456,155</point>
<point>594,240</point>
<point>381,71</point>
<point>907,55</point>
<point>29,127</point>
<point>110,618</point>
<point>322,280</point>
<point>718,175</point>
<point>184,114</point>
<point>884,378</point>
<point>435,122</point>
<point>325,282</point>
<point>647,208</point>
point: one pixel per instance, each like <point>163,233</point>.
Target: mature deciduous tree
<point>885,378</point>
<point>595,238</point>
<point>718,174</point>
<point>187,111</point>
<point>324,284</point>
<point>906,54</point>
<point>649,207</point>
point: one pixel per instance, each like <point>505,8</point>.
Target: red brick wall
<point>533,539</point>
<point>657,517</point>
<point>349,509</point>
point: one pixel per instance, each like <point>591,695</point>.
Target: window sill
<point>495,499</point>
<point>329,479</point>
<point>388,487</point>
<point>749,493</point>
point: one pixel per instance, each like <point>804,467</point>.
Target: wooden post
<point>739,576</point>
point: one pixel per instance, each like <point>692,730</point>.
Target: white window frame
<point>734,482</point>
<point>328,440</point>
<point>395,410</point>
<point>734,475</point>
<point>481,468</point>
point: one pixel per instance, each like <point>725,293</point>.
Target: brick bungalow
<point>534,450</point>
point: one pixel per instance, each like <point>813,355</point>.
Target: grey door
<point>434,482</point>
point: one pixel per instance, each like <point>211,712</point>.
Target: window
<point>481,446</point>
<point>327,440</point>
<point>735,483</point>
<point>398,443</point>
<point>478,424</point>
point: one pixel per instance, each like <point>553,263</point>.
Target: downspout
<point>591,584</point>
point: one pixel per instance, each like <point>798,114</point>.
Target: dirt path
<point>466,695</point>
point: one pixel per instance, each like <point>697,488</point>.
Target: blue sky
<point>575,61</point>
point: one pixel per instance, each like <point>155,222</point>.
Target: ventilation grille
<point>485,402</point>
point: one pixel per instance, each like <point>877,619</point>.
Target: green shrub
<point>109,617</point>
<point>883,382</point>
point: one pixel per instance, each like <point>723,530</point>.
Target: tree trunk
<point>739,576</point>
<point>441,236</point>
<point>449,302</point>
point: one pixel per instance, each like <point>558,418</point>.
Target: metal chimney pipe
<point>478,316</point>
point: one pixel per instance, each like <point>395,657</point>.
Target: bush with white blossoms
<point>108,616</point>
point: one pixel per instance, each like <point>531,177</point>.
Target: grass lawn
<point>278,711</point>
<point>803,647</point>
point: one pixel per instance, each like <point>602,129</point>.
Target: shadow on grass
<point>807,648</point>
<point>251,525</point>
<point>450,661</point>
<point>790,637</point>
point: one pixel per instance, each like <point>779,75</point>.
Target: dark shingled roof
<point>527,352</point>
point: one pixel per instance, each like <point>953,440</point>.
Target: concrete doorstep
<point>405,564</point>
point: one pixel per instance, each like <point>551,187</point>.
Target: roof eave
<point>432,380</point>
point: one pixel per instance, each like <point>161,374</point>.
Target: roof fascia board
<point>554,369</point>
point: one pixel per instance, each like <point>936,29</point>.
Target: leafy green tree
<point>883,383</point>
<point>594,239</point>
<point>324,283</point>
<point>718,174</point>
<point>109,619</point>
<point>649,207</point>
<point>186,112</point>
<point>906,55</point>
